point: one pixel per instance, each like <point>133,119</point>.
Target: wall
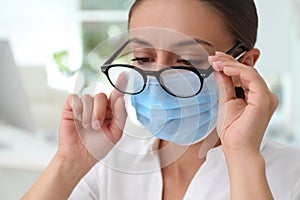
<point>36,28</point>
<point>279,42</point>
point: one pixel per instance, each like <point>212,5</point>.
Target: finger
<point>236,81</point>
<point>217,63</point>
<point>121,83</point>
<point>219,56</point>
<point>87,112</point>
<point>99,112</point>
<point>117,111</point>
<point>249,77</point>
<point>222,54</point>
<point>117,104</point>
<point>72,108</point>
<point>225,87</point>
<point>245,74</point>
<point>119,117</point>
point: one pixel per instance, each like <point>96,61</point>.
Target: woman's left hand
<point>241,122</point>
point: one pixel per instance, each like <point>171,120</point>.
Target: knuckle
<point>71,98</point>
<point>254,72</point>
<point>73,102</point>
<point>227,62</point>
<point>275,101</point>
<point>269,102</point>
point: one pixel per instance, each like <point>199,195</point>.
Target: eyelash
<point>144,60</point>
<point>185,62</point>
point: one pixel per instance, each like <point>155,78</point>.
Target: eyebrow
<point>192,42</point>
<point>141,42</point>
<point>184,43</point>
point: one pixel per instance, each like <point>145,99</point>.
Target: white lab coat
<point>132,172</point>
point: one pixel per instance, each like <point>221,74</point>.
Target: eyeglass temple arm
<point>117,53</point>
<point>235,47</point>
<point>229,52</point>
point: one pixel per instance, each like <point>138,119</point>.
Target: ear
<point>250,57</point>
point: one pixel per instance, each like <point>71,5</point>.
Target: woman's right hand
<point>90,127</point>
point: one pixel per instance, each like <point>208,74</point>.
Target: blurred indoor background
<point>43,51</point>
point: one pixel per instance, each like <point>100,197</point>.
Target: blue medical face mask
<point>182,121</point>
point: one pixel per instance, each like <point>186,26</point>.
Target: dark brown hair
<point>239,15</point>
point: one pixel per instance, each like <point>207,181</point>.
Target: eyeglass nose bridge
<point>156,74</point>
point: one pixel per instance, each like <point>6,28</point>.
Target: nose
<point>163,60</point>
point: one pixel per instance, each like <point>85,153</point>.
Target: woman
<point>237,166</point>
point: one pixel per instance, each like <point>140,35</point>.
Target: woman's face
<point>189,17</point>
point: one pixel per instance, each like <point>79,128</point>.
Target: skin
<point>241,125</point>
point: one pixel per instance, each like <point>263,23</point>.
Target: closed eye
<point>142,60</point>
<point>195,63</point>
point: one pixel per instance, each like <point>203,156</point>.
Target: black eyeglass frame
<point>201,73</point>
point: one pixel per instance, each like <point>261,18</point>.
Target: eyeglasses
<point>178,81</point>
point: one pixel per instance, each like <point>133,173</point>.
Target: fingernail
<point>210,59</point>
<point>96,125</point>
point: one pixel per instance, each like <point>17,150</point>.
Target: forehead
<point>168,40</point>
<point>189,17</point>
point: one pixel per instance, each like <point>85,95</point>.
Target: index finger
<point>121,85</point>
<point>116,104</point>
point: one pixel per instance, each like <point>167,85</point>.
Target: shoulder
<point>282,168</point>
<point>281,158</point>
<point>276,153</point>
